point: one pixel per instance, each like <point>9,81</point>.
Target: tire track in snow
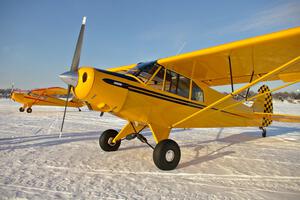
<point>54,122</point>
<point>34,188</point>
<point>198,175</point>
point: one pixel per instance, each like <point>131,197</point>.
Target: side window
<point>168,80</point>
<point>171,82</point>
<point>157,81</point>
<point>174,82</point>
<point>183,86</point>
<point>177,84</point>
<point>197,93</point>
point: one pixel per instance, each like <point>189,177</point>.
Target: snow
<point>226,163</point>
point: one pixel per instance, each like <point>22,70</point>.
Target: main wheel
<point>29,110</point>
<point>106,138</point>
<point>21,109</point>
<point>166,155</point>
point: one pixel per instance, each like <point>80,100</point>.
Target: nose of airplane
<point>70,78</point>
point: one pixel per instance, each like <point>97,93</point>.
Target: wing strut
<point>231,78</point>
<point>262,78</point>
<point>247,93</point>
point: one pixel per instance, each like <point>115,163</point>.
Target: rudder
<point>264,104</point>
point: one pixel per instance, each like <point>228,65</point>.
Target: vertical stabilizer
<point>264,104</point>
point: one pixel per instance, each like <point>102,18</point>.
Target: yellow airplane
<point>43,97</point>
<point>175,92</point>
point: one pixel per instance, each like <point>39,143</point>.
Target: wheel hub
<point>110,141</point>
<point>170,155</point>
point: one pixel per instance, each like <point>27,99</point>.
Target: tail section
<point>77,101</point>
<point>264,104</point>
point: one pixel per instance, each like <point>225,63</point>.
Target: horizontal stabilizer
<point>279,117</point>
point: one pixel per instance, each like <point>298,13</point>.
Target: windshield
<point>144,70</point>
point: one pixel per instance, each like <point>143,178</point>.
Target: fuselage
<point>132,99</point>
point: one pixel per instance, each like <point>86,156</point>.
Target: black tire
<point>21,109</point>
<point>264,133</point>
<point>29,110</point>
<point>106,138</point>
<point>162,152</point>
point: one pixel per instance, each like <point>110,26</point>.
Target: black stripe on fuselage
<point>161,96</point>
<point>152,93</point>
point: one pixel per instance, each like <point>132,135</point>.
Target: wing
<point>256,56</point>
<point>50,91</point>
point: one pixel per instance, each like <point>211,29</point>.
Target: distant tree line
<point>5,93</point>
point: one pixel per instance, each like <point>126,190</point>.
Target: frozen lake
<point>218,163</point>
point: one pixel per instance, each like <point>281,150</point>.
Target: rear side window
<point>183,86</point>
<point>197,93</point>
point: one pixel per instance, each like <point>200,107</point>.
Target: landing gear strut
<point>166,154</point>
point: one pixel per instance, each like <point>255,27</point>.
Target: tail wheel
<point>106,138</point>
<point>21,109</point>
<point>29,110</point>
<point>166,155</point>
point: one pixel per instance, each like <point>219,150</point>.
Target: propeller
<point>71,76</point>
<point>11,90</point>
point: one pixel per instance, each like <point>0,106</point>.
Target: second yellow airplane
<point>43,97</point>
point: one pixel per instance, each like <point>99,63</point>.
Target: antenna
<point>181,48</point>
<point>84,20</point>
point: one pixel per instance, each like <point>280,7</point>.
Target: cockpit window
<point>161,78</point>
<point>144,71</point>
<point>157,81</point>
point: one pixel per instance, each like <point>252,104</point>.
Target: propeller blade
<point>66,105</point>
<point>76,57</point>
<point>12,90</point>
<point>71,77</point>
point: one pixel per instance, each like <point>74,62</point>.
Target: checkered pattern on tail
<point>268,104</point>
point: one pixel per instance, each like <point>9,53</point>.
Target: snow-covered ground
<point>226,163</point>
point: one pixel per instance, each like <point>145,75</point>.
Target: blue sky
<point>37,37</point>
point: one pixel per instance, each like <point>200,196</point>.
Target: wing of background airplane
<point>50,91</point>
